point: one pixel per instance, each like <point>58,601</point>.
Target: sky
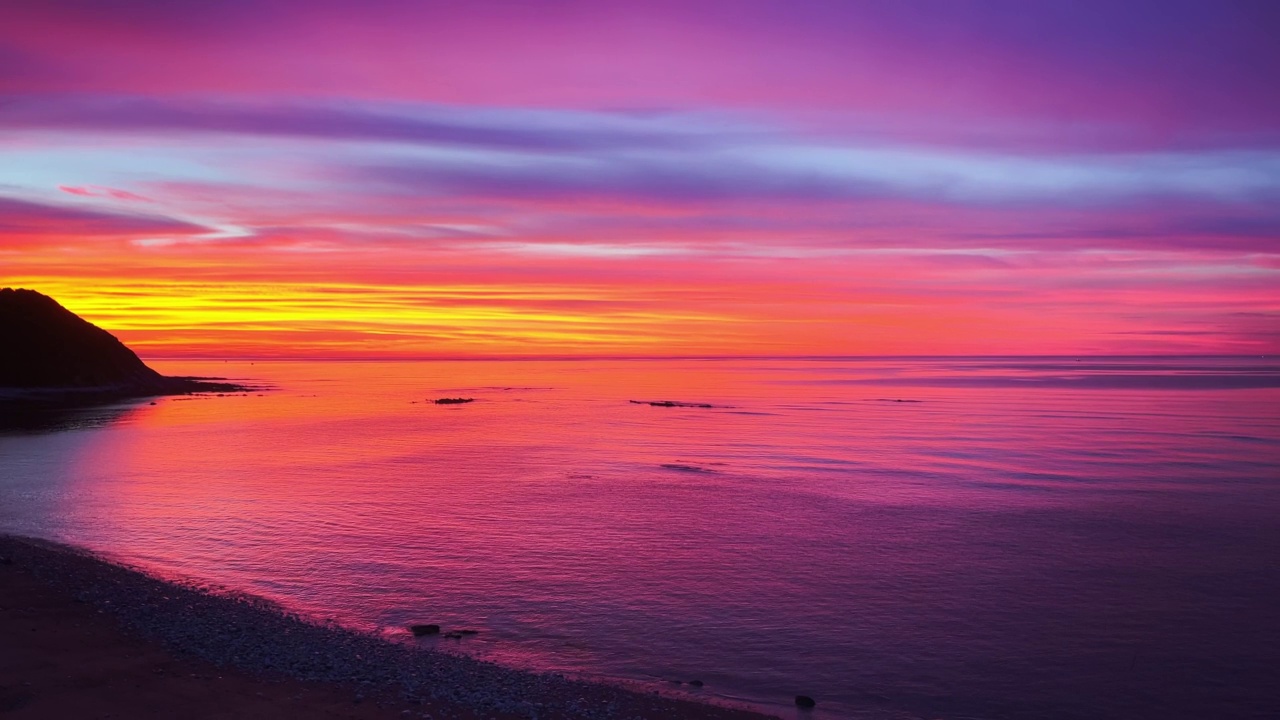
<point>402,178</point>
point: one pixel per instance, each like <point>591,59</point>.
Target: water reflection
<point>915,549</point>
<point>32,418</point>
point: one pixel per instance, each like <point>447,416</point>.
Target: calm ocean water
<point>949,538</point>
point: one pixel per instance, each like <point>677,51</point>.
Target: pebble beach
<point>308,669</point>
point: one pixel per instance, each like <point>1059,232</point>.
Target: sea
<point>898,538</point>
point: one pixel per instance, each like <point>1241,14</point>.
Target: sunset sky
<point>389,178</point>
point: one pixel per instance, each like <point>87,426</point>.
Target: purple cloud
<point>537,131</point>
<point>19,218</point>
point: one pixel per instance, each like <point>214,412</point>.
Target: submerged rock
<point>452,401</point>
<point>671,403</point>
<point>420,630</point>
<point>805,701</point>
<point>686,468</point>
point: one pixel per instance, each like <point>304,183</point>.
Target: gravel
<point>258,636</point>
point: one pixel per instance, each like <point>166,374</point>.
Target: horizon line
<point>501,358</point>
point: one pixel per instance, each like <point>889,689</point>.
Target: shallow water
<point>948,538</point>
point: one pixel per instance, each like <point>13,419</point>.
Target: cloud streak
<point>429,124</point>
<point>724,177</point>
<point>24,223</point>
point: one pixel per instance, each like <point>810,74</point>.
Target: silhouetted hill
<point>42,344</point>
<point>49,350</point>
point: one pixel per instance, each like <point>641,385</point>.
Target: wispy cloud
<point>723,176</point>
<point>32,224</point>
<point>103,192</point>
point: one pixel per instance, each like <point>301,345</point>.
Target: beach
<point>83,637</point>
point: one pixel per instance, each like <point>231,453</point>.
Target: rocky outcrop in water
<point>671,404</point>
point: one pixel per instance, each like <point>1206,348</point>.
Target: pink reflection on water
<point>953,534</point>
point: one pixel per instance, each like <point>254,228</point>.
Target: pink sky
<point>405,178</point>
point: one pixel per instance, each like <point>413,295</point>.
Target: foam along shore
<point>84,637</point>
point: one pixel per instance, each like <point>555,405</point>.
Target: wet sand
<point>84,638</point>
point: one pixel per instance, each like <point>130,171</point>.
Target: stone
<point>420,630</point>
<point>805,701</point>
<point>671,404</point>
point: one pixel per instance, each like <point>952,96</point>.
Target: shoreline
<point>257,656</point>
<point>71,397</point>
<point>44,408</point>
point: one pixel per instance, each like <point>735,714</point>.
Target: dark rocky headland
<point>50,357</point>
